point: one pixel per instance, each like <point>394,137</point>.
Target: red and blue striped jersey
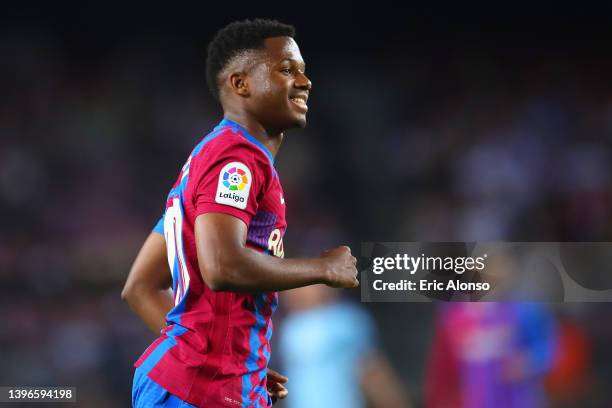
<point>216,347</point>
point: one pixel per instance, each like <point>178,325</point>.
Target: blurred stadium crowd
<point>463,142</point>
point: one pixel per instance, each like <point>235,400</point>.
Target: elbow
<point>126,293</point>
<point>130,292</point>
<point>215,280</point>
<point>221,275</point>
<point>218,285</point>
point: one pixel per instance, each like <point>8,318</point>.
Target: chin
<point>290,120</point>
<point>299,121</point>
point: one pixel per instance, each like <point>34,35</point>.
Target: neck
<point>270,138</point>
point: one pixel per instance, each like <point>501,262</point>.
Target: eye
<point>287,71</point>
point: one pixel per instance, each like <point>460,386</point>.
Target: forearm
<point>380,384</point>
<point>151,305</point>
<point>247,270</point>
<point>147,288</point>
<point>226,263</point>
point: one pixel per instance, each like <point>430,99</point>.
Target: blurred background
<point>425,123</point>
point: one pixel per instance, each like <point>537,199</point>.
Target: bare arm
<point>227,264</point>
<point>380,385</point>
<point>148,286</point>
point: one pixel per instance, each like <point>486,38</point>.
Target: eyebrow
<point>302,63</point>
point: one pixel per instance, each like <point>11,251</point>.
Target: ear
<point>239,83</point>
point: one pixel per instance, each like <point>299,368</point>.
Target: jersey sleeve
<point>159,227</point>
<point>231,180</point>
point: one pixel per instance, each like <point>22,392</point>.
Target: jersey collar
<point>250,138</point>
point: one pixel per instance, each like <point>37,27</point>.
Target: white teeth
<point>299,100</point>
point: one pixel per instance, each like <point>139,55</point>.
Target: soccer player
<point>222,236</point>
<point>329,341</point>
<point>490,354</point>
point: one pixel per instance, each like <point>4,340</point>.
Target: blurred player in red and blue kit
<point>491,355</point>
<point>222,236</point>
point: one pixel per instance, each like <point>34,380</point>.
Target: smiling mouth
<point>299,101</point>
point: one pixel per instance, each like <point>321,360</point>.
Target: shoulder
<point>227,152</point>
<point>231,144</point>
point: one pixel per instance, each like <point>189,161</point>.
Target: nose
<point>302,82</point>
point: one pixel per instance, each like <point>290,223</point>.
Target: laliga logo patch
<point>234,185</point>
<point>235,179</point>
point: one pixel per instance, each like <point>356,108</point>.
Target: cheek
<point>266,86</point>
<point>275,90</point>
<point>272,97</point>
<point>269,88</point>
<point>262,85</point>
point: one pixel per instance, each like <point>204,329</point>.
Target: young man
<point>222,235</point>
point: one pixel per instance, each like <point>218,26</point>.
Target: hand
<point>341,270</point>
<point>275,386</point>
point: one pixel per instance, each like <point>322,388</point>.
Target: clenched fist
<point>340,268</point>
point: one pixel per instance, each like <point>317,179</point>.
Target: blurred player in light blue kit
<point>328,349</point>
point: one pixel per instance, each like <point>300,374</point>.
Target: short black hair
<point>235,38</point>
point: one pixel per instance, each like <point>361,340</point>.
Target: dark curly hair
<point>235,38</point>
